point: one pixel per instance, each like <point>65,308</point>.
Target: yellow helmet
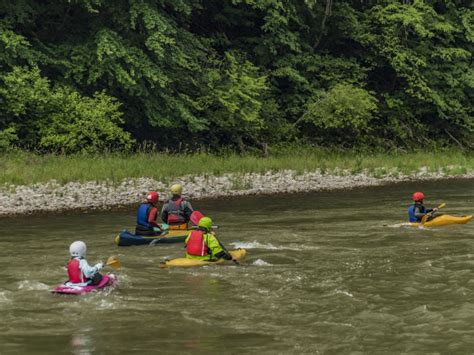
<point>177,189</point>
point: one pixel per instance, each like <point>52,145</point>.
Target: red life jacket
<point>196,245</point>
<point>175,212</point>
<point>74,272</point>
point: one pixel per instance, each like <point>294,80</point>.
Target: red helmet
<point>152,196</point>
<point>418,196</point>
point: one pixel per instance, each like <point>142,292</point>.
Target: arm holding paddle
<point>112,261</point>
<point>229,255</point>
<point>425,218</point>
<point>218,249</point>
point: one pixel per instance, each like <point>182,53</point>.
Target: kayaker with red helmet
<point>78,269</point>
<point>177,210</point>
<point>417,210</point>
<point>202,244</point>
<point>146,216</point>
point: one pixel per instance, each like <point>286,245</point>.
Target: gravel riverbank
<point>52,196</point>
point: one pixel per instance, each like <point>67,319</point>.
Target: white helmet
<point>78,249</point>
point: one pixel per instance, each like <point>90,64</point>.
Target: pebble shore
<point>52,196</point>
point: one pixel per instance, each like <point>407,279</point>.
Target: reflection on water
<point>82,343</point>
<point>325,272</point>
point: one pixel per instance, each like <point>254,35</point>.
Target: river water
<point>325,272</point>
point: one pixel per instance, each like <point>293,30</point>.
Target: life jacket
<point>142,215</point>
<point>176,212</point>
<point>411,212</point>
<point>74,272</point>
<point>196,244</point>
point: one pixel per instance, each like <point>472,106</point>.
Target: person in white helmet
<point>79,271</point>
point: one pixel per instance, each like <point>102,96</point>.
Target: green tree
<point>344,114</point>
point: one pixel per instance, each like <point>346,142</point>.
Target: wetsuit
<point>417,211</point>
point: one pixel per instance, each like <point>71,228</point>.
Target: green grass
<point>20,168</point>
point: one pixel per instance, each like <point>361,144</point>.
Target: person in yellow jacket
<point>202,244</point>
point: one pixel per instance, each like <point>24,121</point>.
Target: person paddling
<point>417,211</point>
<point>146,216</point>
<point>202,244</point>
<point>177,211</point>
<point>78,269</point>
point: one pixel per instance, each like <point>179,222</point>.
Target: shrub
<point>344,112</point>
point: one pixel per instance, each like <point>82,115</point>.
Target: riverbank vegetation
<point>20,168</point>
<point>102,76</point>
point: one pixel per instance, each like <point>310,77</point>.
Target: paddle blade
<point>114,262</point>
<point>442,205</point>
<point>196,217</point>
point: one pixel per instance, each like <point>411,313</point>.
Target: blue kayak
<point>125,238</point>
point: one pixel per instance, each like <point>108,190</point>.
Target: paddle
<point>225,250</point>
<point>425,217</point>
<point>156,240</point>
<point>114,262</point>
<point>196,227</point>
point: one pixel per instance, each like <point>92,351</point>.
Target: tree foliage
<point>342,111</point>
<point>97,75</point>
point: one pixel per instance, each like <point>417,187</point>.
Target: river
<point>326,272</point>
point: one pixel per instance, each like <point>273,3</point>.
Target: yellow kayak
<point>444,220</point>
<point>185,262</point>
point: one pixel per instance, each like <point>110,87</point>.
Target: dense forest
<point>103,75</point>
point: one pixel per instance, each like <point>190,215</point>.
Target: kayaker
<point>177,210</point>
<point>146,216</point>
<point>417,210</point>
<point>78,269</point>
<point>202,244</point>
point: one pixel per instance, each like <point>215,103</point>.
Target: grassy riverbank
<point>20,168</point>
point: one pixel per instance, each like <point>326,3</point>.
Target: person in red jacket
<point>146,216</point>
<point>202,244</point>
<point>79,271</point>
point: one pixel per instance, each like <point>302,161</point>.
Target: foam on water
<point>106,304</point>
<point>399,225</point>
<point>187,315</point>
<point>343,293</point>
<point>269,246</point>
<point>4,298</point>
<point>260,262</point>
<point>31,285</point>
<point>338,324</point>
